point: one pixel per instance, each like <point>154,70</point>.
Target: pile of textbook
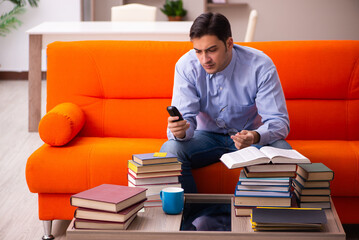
<point>261,192</point>
<point>107,207</point>
<point>312,185</point>
<point>265,180</point>
<point>154,171</point>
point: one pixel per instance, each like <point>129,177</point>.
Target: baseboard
<point>12,75</point>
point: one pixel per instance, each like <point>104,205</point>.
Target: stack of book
<point>263,192</point>
<point>266,176</point>
<point>154,171</point>
<point>288,219</point>
<point>107,207</point>
<point>312,185</point>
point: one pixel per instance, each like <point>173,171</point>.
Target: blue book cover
<point>262,194</point>
<point>154,158</point>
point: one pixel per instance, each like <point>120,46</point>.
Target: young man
<point>230,98</point>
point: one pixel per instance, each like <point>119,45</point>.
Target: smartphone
<point>173,111</point>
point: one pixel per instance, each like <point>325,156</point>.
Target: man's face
<point>212,53</point>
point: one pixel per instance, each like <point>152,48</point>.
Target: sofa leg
<point>47,230</point>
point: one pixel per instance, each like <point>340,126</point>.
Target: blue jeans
<point>203,149</point>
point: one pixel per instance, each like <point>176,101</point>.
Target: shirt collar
<point>228,71</point>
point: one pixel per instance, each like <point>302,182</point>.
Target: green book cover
<point>315,167</point>
<point>315,171</point>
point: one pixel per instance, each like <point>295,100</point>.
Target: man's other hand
<point>245,139</point>
<point>179,128</point>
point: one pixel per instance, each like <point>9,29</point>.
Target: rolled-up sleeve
<point>185,97</point>
<point>272,108</point>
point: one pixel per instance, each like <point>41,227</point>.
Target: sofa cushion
<point>123,87</point>
<point>340,156</point>
<point>61,124</point>
<point>123,78</point>
<point>104,160</point>
<point>320,80</point>
<point>84,163</point>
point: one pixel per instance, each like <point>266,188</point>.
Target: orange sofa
<point>119,92</point>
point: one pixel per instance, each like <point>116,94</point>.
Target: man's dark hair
<point>211,24</point>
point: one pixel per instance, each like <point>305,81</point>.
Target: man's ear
<point>229,43</point>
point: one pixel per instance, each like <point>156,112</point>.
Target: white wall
<point>14,48</point>
<point>277,19</point>
<point>296,20</point>
<point>103,8</point>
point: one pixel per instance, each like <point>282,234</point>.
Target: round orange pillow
<point>61,124</point>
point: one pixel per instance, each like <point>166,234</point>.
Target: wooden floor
<point>18,207</point>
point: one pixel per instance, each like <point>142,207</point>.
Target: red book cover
<point>121,216</point>
<point>96,224</point>
<point>122,212</point>
<point>109,197</point>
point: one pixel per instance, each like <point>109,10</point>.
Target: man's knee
<point>281,144</point>
<point>175,147</point>
<point>171,146</point>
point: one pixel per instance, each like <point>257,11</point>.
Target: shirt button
<point>220,89</point>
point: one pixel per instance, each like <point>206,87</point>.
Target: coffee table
<point>153,223</point>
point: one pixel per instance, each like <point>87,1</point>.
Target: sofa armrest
<point>61,124</point>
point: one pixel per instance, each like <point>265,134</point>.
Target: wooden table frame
<point>154,224</point>
<point>47,32</point>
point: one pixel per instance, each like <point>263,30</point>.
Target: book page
<point>244,157</point>
<point>273,152</point>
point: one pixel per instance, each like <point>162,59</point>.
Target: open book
<point>252,156</point>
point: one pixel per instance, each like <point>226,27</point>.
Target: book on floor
<point>154,174</point>
<point>154,158</point>
<point>121,216</point>
<point>311,184</point>
<point>157,180</point>
<point>102,225</point>
<point>252,156</point>
<point>315,172</point>
<point>267,174</point>
<point>265,199</point>
<point>154,167</point>
<point>108,197</point>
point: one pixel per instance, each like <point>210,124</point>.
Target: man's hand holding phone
<point>176,124</point>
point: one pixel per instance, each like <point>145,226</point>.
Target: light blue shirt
<point>247,89</point>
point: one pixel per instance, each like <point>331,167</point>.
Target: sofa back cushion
<point>124,87</point>
<point>320,80</point>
